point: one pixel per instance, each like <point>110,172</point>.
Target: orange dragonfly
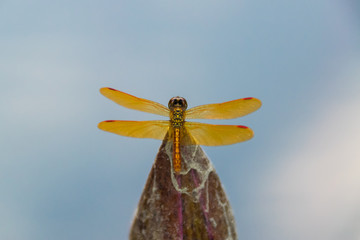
<point>177,130</point>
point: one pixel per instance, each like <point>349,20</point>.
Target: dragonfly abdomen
<point>176,150</point>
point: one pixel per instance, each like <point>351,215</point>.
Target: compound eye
<point>181,102</point>
<point>172,103</point>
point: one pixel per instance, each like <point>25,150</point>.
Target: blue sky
<point>62,178</point>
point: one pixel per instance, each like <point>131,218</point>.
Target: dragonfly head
<point>177,102</point>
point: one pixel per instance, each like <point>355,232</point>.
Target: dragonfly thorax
<point>177,106</point>
<point>177,117</point>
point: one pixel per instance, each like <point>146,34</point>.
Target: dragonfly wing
<point>227,110</point>
<point>132,102</point>
<point>138,129</point>
<point>216,135</point>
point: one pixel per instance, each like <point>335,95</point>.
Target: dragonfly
<point>179,131</point>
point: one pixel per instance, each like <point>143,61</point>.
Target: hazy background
<point>61,178</point>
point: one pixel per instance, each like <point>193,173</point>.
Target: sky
<point>62,178</point>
